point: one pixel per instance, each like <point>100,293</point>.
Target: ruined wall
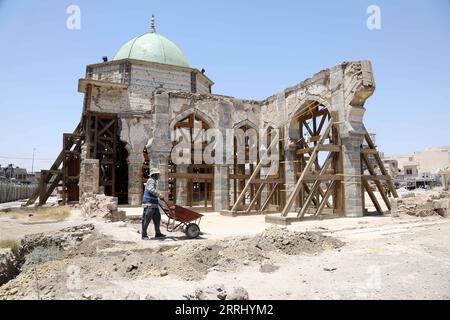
<point>147,116</point>
<point>106,72</point>
<point>343,89</point>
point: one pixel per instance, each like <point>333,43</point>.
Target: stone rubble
<point>422,205</point>
<point>101,207</point>
<point>218,292</point>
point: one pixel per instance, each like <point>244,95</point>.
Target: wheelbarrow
<point>179,217</point>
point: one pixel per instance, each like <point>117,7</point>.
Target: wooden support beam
<point>253,176</point>
<point>308,128</point>
<point>106,127</point>
<point>255,197</point>
<point>299,183</point>
<point>322,122</point>
<point>325,198</point>
<point>182,175</point>
<point>324,147</point>
<point>323,177</point>
<point>381,165</point>
<point>330,148</point>
<point>314,187</point>
<point>372,196</point>
<point>375,177</point>
<point>369,151</point>
<point>377,182</point>
<point>46,194</point>
<point>272,192</point>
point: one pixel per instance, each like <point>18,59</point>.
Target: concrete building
<point>420,168</point>
<point>136,103</point>
<point>14,173</point>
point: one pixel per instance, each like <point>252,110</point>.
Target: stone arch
<point>308,100</point>
<point>183,188</point>
<point>269,124</point>
<point>291,131</point>
<point>245,122</point>
<point>198,113</point>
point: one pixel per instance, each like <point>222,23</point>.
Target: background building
<point>420,168</point>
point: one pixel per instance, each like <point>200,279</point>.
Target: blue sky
<point>250,49</point>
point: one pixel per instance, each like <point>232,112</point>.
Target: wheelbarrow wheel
<point>192,230</point>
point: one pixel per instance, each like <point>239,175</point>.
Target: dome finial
<point>152,26</point>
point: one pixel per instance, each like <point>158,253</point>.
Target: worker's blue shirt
<point>151,194</point>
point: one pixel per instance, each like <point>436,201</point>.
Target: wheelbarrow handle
<point>166,203</point>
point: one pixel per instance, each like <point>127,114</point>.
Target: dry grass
<point>11,244</point>
<point>40,214</point>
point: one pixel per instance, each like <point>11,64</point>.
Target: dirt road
<point>364,258</point>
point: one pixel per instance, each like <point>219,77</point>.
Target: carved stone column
<point>221,187</point>
<point>135,183</point>
<point>89,176</point>
<point>181,187</point>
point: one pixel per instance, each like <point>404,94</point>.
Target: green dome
<point>152,47</point>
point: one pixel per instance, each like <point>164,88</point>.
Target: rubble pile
<point>38,248</point>
<point>101,206</point>
<point>194,260</point>
<point>218,292</point>
<point>98,260</point>
<point>422,204</point>
<point>9,265</point>
<point>294,243</point>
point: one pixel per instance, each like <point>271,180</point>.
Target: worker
<point>150,202</point>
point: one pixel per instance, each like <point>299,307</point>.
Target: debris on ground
<point>97,260</point>
<point>39,248</point>
<point>101,207</point>
<point>422,204</point>
<point>218,292</point>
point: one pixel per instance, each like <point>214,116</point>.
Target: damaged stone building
<point>134,101</point>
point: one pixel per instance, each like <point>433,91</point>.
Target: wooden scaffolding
<point>317,187</point>
<point>64,172</point>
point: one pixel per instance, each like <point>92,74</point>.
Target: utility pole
<point>32,163</point>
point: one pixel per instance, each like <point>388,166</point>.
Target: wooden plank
<point>377,182</point>
<point>369,151</point>
<point>253,176</point>
<point>272,192</point>
<point>267,180</point>
<point>298,185</point>
<point>375,177</point>
<point>323,177</point>
<point>305,150</point>
<point>325,198</point>
<point>108,125</point>
<point>330,148</point>
<point>381,165</point>
<point>322,122</point>
<point>314,187</point>
<point>324,147</point>
<point>372,196</point>
<point>50,189</point>
<point>255,197</point>
<point>182,175</point>
<point>314,138</point>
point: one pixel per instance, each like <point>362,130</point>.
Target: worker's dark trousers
<point>149,215</point>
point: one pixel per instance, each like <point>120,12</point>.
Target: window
<point>193,82</point>
<point>408,171</point>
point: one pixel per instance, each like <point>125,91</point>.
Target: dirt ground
<point>378,257</point>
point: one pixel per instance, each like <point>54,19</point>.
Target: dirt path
<point>382,257</point>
